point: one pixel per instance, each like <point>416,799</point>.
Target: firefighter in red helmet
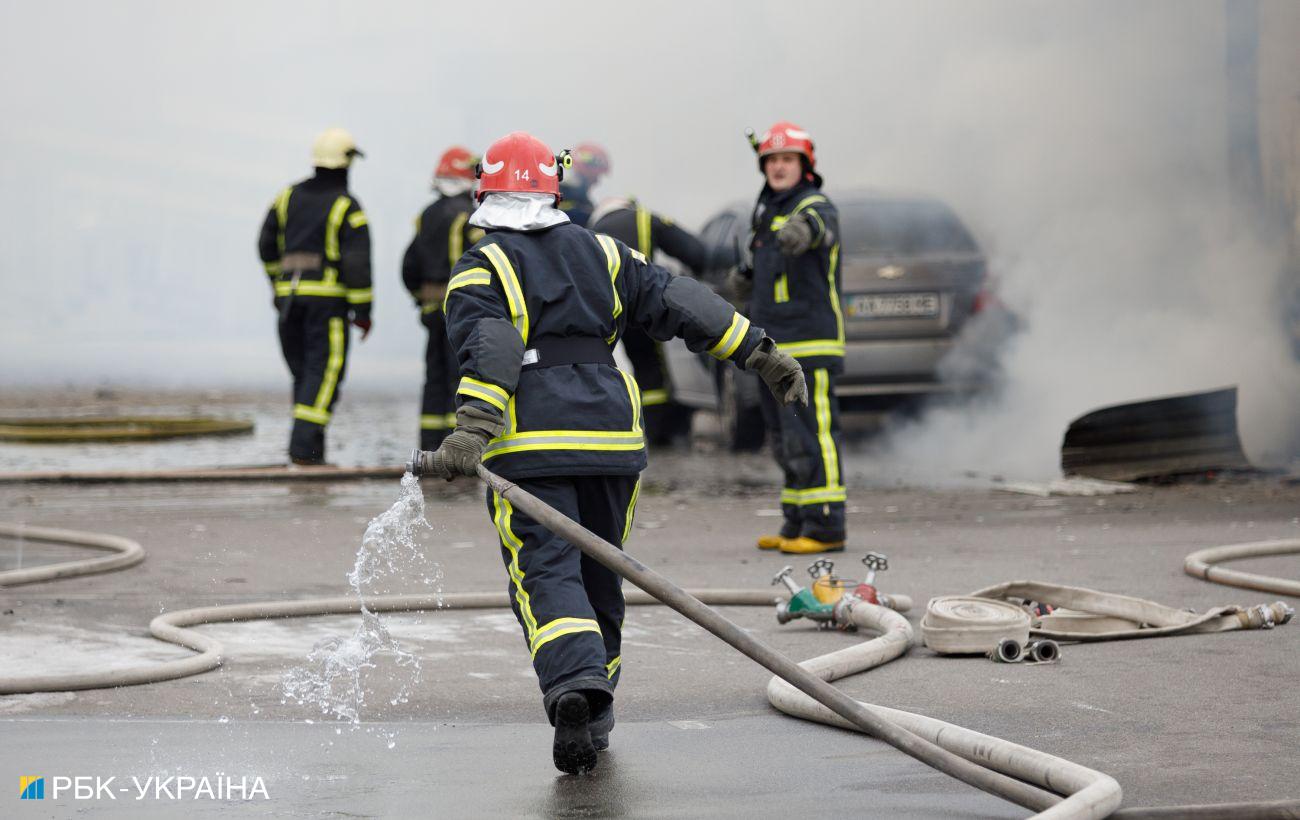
<point>442,233</point>
<point>534,311</point>
<point>793,290</point>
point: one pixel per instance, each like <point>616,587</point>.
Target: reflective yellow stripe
<point>806,201</point>
<point>332,225</point>
<point>490,393</point>
<point>446,421</point>
<point>285,288</point>
<point>473,276</point>
<point>782,293</point>
<point>822,405</point>
<point>831,279</point>
<point>614,262</point>
<point>649,398</point>
<point>731,340</point>
<point>357,219</point>
<point>333,366</point>
<point>589,440</point>
<point>631,511</point>
<point>282,216</point>
<point>816,495</point>
<point>813,347</point>
<point>432,307</point>
<point>643,226</point>
<point>559,628</point>
<point>456,239</point>
<point>510,283</point>
<point>272,268</point>
<point>360,296</point>
<point>513,545</point>
<point>634,396</point>
<point>308,413</point>
<point>612,666</point>
<point>821,227</point>
<point>778,222</point>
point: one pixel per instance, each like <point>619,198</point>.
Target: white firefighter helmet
<point>334,148</point>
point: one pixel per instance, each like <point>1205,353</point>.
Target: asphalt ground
<point>1177,720</point>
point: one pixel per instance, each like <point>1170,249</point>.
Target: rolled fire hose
<point>126,553</point>
<point>1201,564</point>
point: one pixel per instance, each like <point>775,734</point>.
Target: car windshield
<point>901,227</point>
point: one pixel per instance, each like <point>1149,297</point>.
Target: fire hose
<point>1025,776</point>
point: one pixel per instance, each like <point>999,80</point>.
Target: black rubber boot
<point>573,750</point>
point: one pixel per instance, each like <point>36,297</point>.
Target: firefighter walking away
<point>534,311</point>
<point>793,290</point>
<point>315,247</point>
<point>442,233</point>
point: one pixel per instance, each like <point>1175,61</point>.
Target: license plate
<point>893,305</point>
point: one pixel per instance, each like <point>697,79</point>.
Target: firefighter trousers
<point>570,607</point>
<point>441,372</point>
<point>807,448</point>
<point>314,340</point>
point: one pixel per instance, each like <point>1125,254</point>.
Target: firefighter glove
<point>779,371</point>
<point>795,236</point>
<point>462,451</point>
<point>742,286</point>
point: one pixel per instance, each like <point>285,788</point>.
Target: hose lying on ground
<point>126,553</point>
<point>62,430</point>
<point>1201,564</point>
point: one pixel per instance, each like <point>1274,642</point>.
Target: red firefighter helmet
<point>455,163</point>
<point>590,162</point>
<point>520,163</point>
<point>786,136</point>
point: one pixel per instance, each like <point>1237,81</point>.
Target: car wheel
<point>743,429</point>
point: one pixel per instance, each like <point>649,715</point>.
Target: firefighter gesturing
<point>315,246</point>
<point>638,227</point>
<point>534,311</point>
<point>793,290</point>
<point>442,233</point>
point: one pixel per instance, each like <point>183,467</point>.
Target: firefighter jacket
<point>442,233</point>
<point>797,298</point>
<point>534,317</point>
<point>316,233</point>
<point>638,228</point>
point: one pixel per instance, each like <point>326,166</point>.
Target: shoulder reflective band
<point>812,347</point>
<point>488,392</point>
<point>473,276</point>
<point>361,296</point>
<point>731,340</point>
<point>643,231</point>
<point>332,226</point>
<point>585,440</point>
<point>357,219</point>
<point>456,238</point>
<point>282,216</point>
<point>613,261</point>
<point>510,283</point>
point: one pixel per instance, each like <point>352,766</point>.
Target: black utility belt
<point>552,351</point>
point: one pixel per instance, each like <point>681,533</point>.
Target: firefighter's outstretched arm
<point>490,350</point>
<point>668,306</point>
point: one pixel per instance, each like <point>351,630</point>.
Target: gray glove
<point>462,451</point>
<point>779,371</point>
<point>742,286</point>
<point>796,235</point>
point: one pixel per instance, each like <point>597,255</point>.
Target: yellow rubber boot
<point>771,542</point>
<point>804,545</point>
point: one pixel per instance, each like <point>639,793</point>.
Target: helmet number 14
<point>523,175</point>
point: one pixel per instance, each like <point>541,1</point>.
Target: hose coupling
<point>1007,651</point>
<point>418,465</point>
<point>1267,616</point>
<point>1043,651</point>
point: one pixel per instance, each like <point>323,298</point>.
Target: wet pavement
<point>1206,718</point>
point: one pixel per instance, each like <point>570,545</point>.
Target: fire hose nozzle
<point>418,463</point>
<point>1007,651</point>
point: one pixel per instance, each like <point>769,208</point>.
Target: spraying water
<point>334,677</point>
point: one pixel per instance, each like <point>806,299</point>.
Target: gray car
<point>913,280</point>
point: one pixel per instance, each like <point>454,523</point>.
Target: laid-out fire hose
<point>125,553</point>
<point>1047,784</point>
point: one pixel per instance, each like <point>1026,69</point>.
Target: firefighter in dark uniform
<point>442,233</point>
<point>534,311</point>
<point>315,246</point>
<point>638,227</point>
<point>793,290</point>
<point>589,164</point>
